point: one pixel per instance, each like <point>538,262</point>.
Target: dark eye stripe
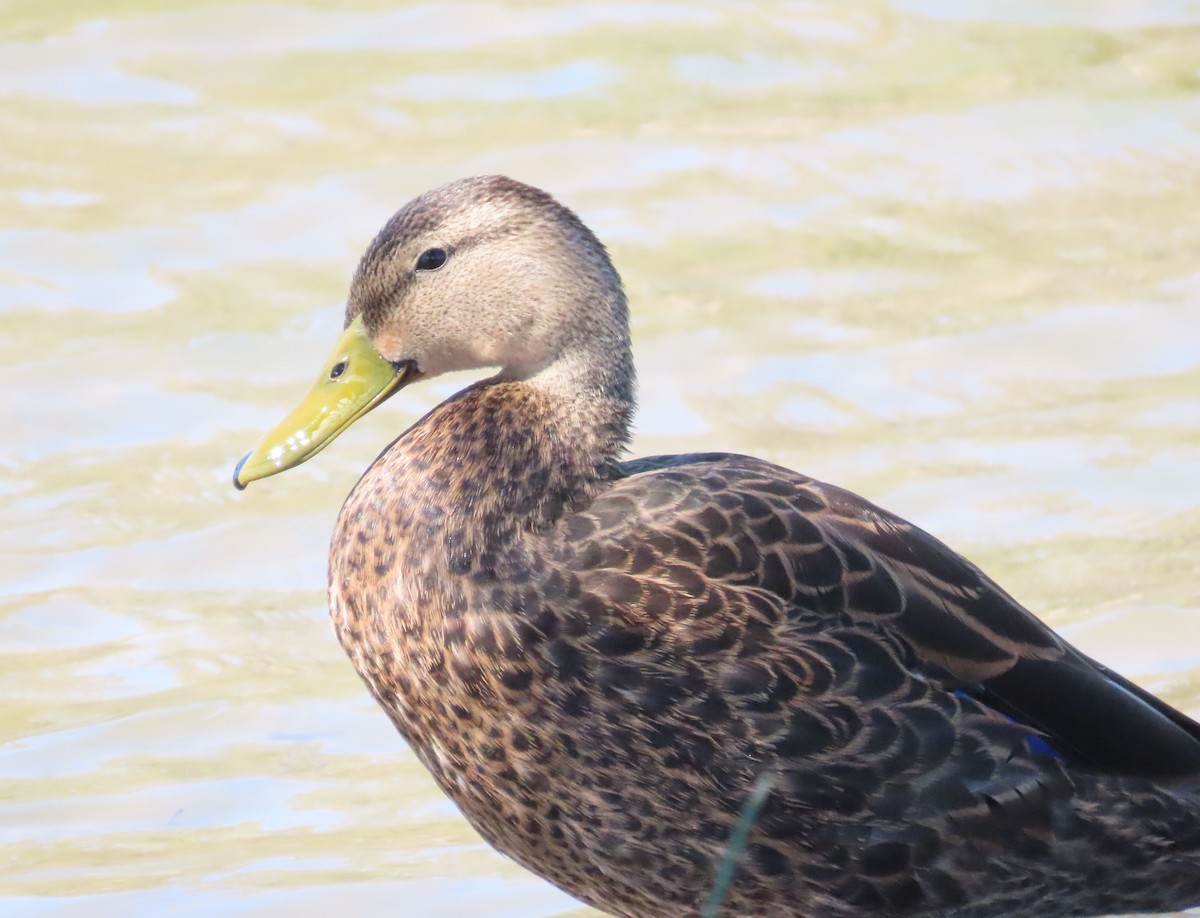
<point>431,259</point>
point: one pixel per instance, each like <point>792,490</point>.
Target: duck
<point>599,659</point>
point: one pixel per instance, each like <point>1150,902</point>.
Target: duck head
<point>484,272</point>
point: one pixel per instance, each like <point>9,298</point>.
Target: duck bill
<point>354,380</point>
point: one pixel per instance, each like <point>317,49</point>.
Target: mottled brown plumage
<point>597,659</point>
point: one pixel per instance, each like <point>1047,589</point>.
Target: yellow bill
<point>355,379</point>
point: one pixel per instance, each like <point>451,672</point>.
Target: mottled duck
<point>598,659</point>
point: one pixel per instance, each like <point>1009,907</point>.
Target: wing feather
<point>824,552</point>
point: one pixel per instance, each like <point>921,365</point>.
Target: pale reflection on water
<point>940,253</point>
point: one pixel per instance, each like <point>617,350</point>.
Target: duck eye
<point>338,369</point>
<point>431,259</point>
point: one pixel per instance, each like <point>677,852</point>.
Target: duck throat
<point>501,459</point>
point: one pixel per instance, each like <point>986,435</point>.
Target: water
<point>940,253</point>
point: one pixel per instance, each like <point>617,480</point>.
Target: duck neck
<point>585,403</point>
<point>502,457</point>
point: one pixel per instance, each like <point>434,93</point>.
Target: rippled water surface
<point>943,253</point>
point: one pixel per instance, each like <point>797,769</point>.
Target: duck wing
<point>823,550</point>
